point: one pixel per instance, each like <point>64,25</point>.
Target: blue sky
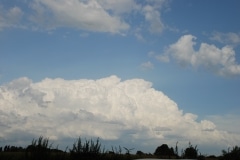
<point>188,50</point>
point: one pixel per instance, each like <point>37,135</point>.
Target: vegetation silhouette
<point>42,149</point>
<point>164,151</point>
<point>190,152</point>
<point>87,150</point>
<point>234,154</point>
<point>39,149</point>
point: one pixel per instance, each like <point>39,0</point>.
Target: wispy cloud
<point>226,38</point>
<point>147,65</point>
<point>220,61</point>
<point>87,15</point>
<point>152,15</point>
<point>107,108</point>
<point>10,17</point>
<point>95,15</point>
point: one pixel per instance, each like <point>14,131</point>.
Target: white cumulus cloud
<point>221,61</point>
<point>87,15</point>
<point>117,17</point>
<point>129,111</point>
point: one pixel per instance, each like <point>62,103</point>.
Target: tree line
<point>42,149</point>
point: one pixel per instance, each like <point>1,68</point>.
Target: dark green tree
<point>190,152</point>
<point>234,154</point>
<point>140,153</point>
<point>85,150</point>
<point>39,149</point>
<point>176,150</point>
<point>164,151</point>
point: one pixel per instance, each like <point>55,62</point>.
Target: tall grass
<point>86,150</point>
<point>39,149</point>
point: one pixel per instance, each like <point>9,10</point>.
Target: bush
<point>234,154</point>
<point>164,151</point>
<point>87,150</point>
<point>39,149</point>
<point>190,152</point>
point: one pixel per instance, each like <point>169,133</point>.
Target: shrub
<point>234,154</point>
<point>89,149</point>
<point>39,149</point>
<point>190,152</point>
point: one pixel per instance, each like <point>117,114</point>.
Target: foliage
<point>234,154</point>
<point>88,150</point>
<point>140,153</point>
<point>190,152</point>
<point>176,150</point>
<point>39,149</point>
<point>9,148</point>
<point>164,151</point>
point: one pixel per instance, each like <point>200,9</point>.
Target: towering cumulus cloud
<point>107,108</point>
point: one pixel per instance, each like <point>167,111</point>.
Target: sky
<point>135,73</point>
